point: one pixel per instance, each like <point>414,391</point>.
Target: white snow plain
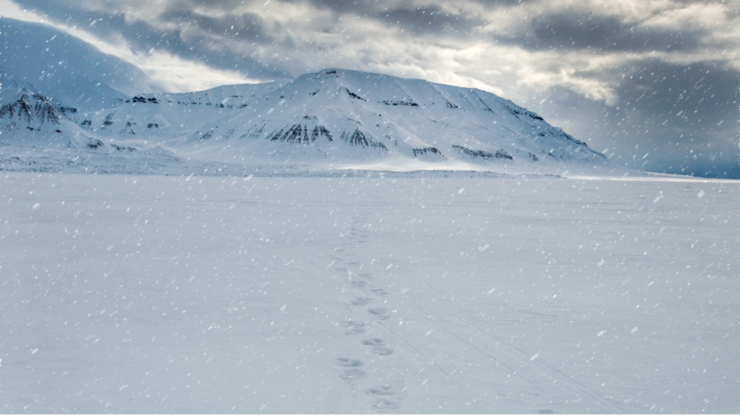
<point>436,295</point>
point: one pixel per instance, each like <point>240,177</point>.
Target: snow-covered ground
<point>217,294</point>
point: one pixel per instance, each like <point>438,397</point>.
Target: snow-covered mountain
<point>344,117</point>
<point>170,116</point>
<point>38,133</point>
<point>331,119</point>
<point>28,118</point>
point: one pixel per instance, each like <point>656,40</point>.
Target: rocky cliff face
<point>31,111</point>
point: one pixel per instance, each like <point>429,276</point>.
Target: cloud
<point>164,70</point>
<point>672,118</point>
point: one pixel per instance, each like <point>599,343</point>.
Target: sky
<point>653,84</point>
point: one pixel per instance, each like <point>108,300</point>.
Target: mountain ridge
<point>329,119</point>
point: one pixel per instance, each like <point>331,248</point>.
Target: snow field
<point>435,295</point>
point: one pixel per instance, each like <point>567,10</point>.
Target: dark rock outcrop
<point>482,154</point>
<point>301,134</point>
<point>358,138</point>
<point>426,151</point>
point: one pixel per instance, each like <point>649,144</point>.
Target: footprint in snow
<point>374,342</point>
<point>378,346</point>
<point>361,301</point>
<point>352,374</point>
<point>353,327</point>
<point>380,292</point>
<point>381,351</point>
<point>349,362</point>
<point>386,406</point>
<point>384,393</point>
<point>379,313</point>
<point>380,391</point>
<point>350,369</point>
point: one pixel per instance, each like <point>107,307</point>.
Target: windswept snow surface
<point>437,295</point>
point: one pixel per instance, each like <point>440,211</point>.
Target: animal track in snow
<point>359,284</point>
<point>373,342</point>
<point>349,362</point>
<point>384,393</point>
<point>380,292</point>
<point>353,327</point>
<point>381,391</point>
<point>380,313</point>
<point>386,406</point>
<point>352,374</point>
<point>378,345</point>
<point>361,301</point>
<point>350,368</point>
<point>381,351</point>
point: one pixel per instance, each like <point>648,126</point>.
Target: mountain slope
<point>163,116</point>
<point>38,134</point>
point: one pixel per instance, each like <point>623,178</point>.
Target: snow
<point>368,294</point>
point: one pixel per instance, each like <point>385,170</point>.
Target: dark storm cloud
<point>106,24</point>
<point>343,6</point>
<point>568,30</point>
<point>243,27</point>
<point>687,118</point>
<point>180,29</point>
<point>703,91</point>
<point>195,36</point>
<point>670,118</point>
<point>428,19</point>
